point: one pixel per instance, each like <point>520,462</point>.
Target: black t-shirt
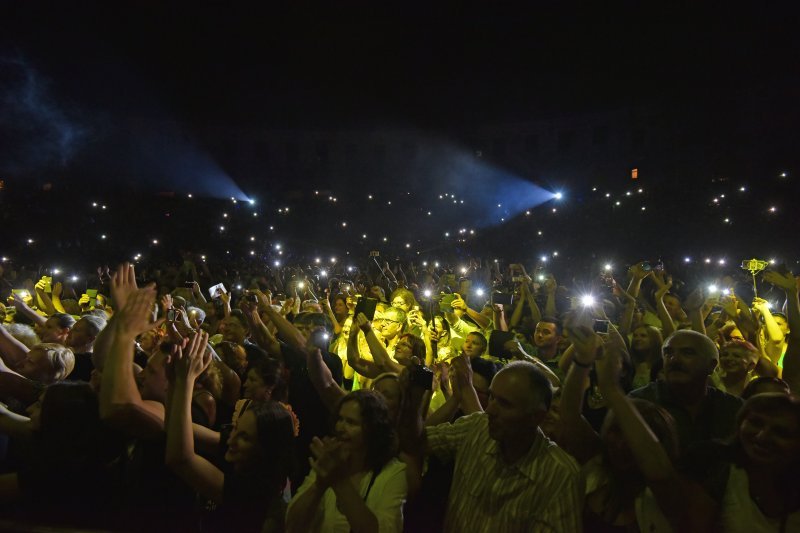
<point>306,403</point>
<point>83,368</point>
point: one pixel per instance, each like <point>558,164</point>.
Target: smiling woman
<point>356,483</point>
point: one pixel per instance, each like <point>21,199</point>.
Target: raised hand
<point>123,283</point>
<point>166,302</point>
<point>587,344</point>
<point>695,300</point>
<point>137,315</point>
<point>58,289</point>
<point>784,281</point>
<point>609,364</point>
<point>458,303</point>
<point>363,323</point>
<point>192,360</point>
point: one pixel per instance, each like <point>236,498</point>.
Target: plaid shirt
<point>540,492</point>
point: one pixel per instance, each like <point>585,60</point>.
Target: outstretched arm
<point>121,404</point>
<point>198,472</point>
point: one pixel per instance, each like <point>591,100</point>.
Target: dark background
<point>134,105</point>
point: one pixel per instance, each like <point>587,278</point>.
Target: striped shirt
<point>541,492</point>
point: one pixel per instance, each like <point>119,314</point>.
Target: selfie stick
<point>754,266</point>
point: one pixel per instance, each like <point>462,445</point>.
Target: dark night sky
<point>429,68</point>
<point>72,75</point>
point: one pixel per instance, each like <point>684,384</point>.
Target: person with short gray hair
<point>701,412</point>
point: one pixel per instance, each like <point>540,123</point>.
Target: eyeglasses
<point>392,321</point>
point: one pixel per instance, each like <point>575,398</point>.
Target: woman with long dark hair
<point>258,459</point>
<point>356,483</point>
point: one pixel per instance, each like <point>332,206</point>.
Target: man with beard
<point>701,412</point>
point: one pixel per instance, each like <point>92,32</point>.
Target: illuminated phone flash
<point>587,300</point>
<point>712,288</point>
<point>608,266</point>
<point>479,292</point>
<point>427,293</point>
<point>726,292</point>
<point>301,284</point>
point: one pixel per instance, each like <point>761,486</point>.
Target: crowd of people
<point>479,396</point>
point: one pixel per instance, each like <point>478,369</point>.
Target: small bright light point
<point>712,289</point>
<point>234,201</point>
<point>644,208</point>
<point>618,202</point>
<point>527,213</point>
<point>74,278</point>
<point>370,197</point>
<point>771,261</point>
<point>323,273</point>
<point>726,292</point>
<point>189,195</point>
<point>608,195</point>
<point>499,205</point>
<point>627,193</point>
<point>252,239</point>
<point>554,210</point>
<point>424,263</point>
<point>30,241</point>
<point>222,228</point>
<point>102,207</point>
<point>155,241</point>
<point>784,174</point>
<point>102,236</point>
<point>436,264</point>
<point>203,257</point>
<point>558,196</point>
<point>772,209</point>
<point>56,271</point>
<point>252,252</point>
<point>317,260</point>
<point>224,215</point>
<point>544,259</point>
<point>333,259</point>
<point>479,292</point>
<point>349,269</point>
<point>463,270</point>
<point>541,277</point>
<point>641,191</point>
<point>727,220</point>
<point>721,261</point>
<point>277,263</point>
<point>742,189</point>
<point>238,287</point>
<point>94,204</point>
<point>539,232</point>
<point>252,202</point>
<point>427,293</point>
<point>301,285</point>
<point>385,239</point>
<point>687,259</point>
<point>708,260</point>
<point>277,246</point>
<point>594,189</point>
<point>233,198</point>
<point>446,233</point>
<point>408,245</point>
<point>555,254</point>
<point>461,201</point>
<point>587,300</point>
<point>272,228</point>
<point>607,266</point>
<point>280,252</point>
<point>344,224</point>
<point>363,235</point>
<point>769,305</point>
<point>255,214</point>
<point>5,259</point>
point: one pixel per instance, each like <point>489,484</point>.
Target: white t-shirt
<point>740,513</point>
<point>385,500</point>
